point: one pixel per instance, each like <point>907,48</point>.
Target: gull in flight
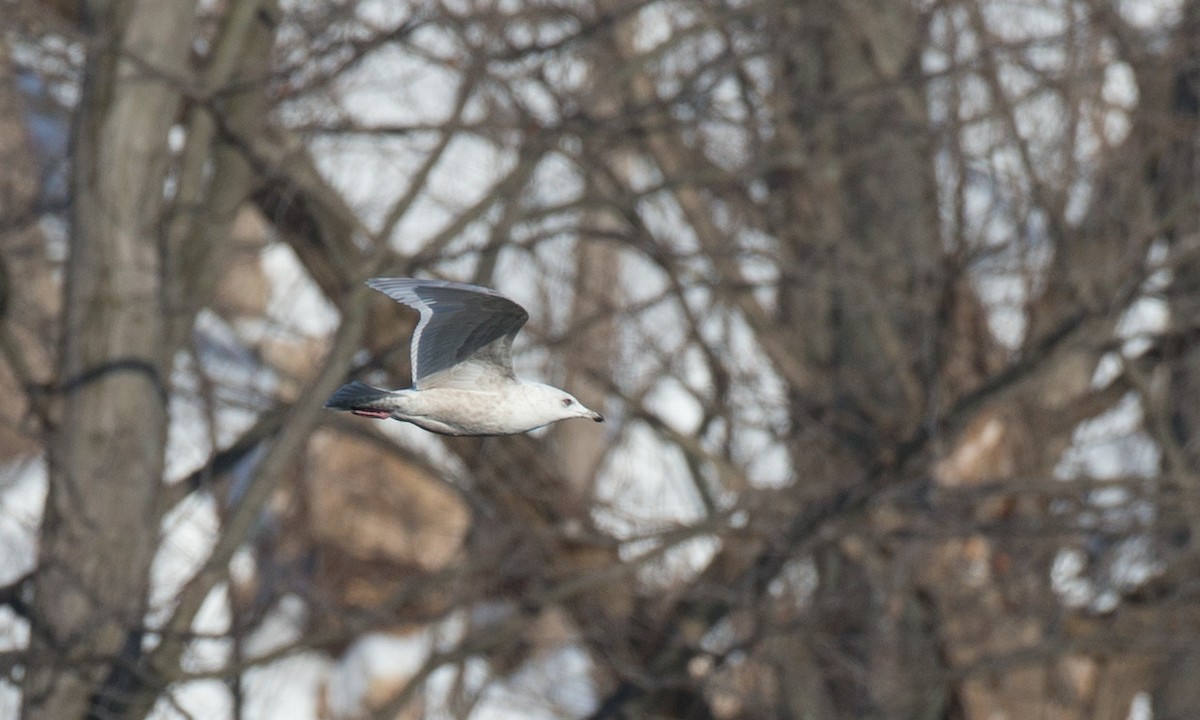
<point>463,380</point>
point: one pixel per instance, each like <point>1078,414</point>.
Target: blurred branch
<point>14,594</point>
<point>498,634</point>
<point>163,662</point>
<point>747,576</point>
<point>36,392</point>
<point>213,178</point>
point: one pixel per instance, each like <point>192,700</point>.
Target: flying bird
<point>463,379</point>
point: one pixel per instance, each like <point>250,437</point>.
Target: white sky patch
<point>653,25</point>
<point>467,171</point>
<point>296,302</point>
<point>647,486</point>
<point>197,699</point>
<point>566,72</point>
<point>555,685</point>
<point>1120,91</point>
<point>285,689</point>
<point>758,258</point>
<point>463,175</point>
<point>382,13</point>
<point>1111,445</point>
<point>280,628</point>
<point>209,698</point>
<point>1004,298</point>
<point>210,654</point>
<point>761,413</point>
<point>1141,708</point>
<point>1146,317</point>
<point>1150,13</point>
<point>679,563</point>
<point>467,677</point>
<point>189,532</point>
<point>10,700</point>
<point>725,139</point>
<point>1066,577</point>
<point>768,464</point>
<point>545,686</point>
<point>650,352</point>
<point>557,180</point>
<point>394,88</point>
<point>676,405</point>
<point>371,171</point>
<point>198,418</point>
<point>543,291</point>
<point>22,499</point>
<point>798,580</point>
<point>1016,21</point>
<point>14,635</point>
<point>372,658</point>
<point>641,281</point>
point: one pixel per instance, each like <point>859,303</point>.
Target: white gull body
<point>463,379</point>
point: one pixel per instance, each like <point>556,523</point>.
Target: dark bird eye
<point>567,402</point>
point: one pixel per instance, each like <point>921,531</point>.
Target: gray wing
<point>464,326</point>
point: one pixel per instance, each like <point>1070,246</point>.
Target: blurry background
<point>892,307</point>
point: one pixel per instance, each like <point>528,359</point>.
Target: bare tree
<point>890,306</point>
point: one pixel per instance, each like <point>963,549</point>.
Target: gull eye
<point>567,402</point>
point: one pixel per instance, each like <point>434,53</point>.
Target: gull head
<point>562,405</point>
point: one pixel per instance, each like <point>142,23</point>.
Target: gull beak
<point>595,416</point>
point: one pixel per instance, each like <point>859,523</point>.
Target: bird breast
<point>454,411</point>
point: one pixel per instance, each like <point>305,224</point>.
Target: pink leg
<point>376,414</point>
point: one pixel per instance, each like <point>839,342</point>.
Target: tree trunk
<point>854,208</point>
<point>101,523</point>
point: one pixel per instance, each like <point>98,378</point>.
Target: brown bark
<point>100,528</point>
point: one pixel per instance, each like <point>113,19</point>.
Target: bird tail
<point>362,399</point>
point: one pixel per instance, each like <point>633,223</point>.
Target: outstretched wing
<point>465,332</point>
